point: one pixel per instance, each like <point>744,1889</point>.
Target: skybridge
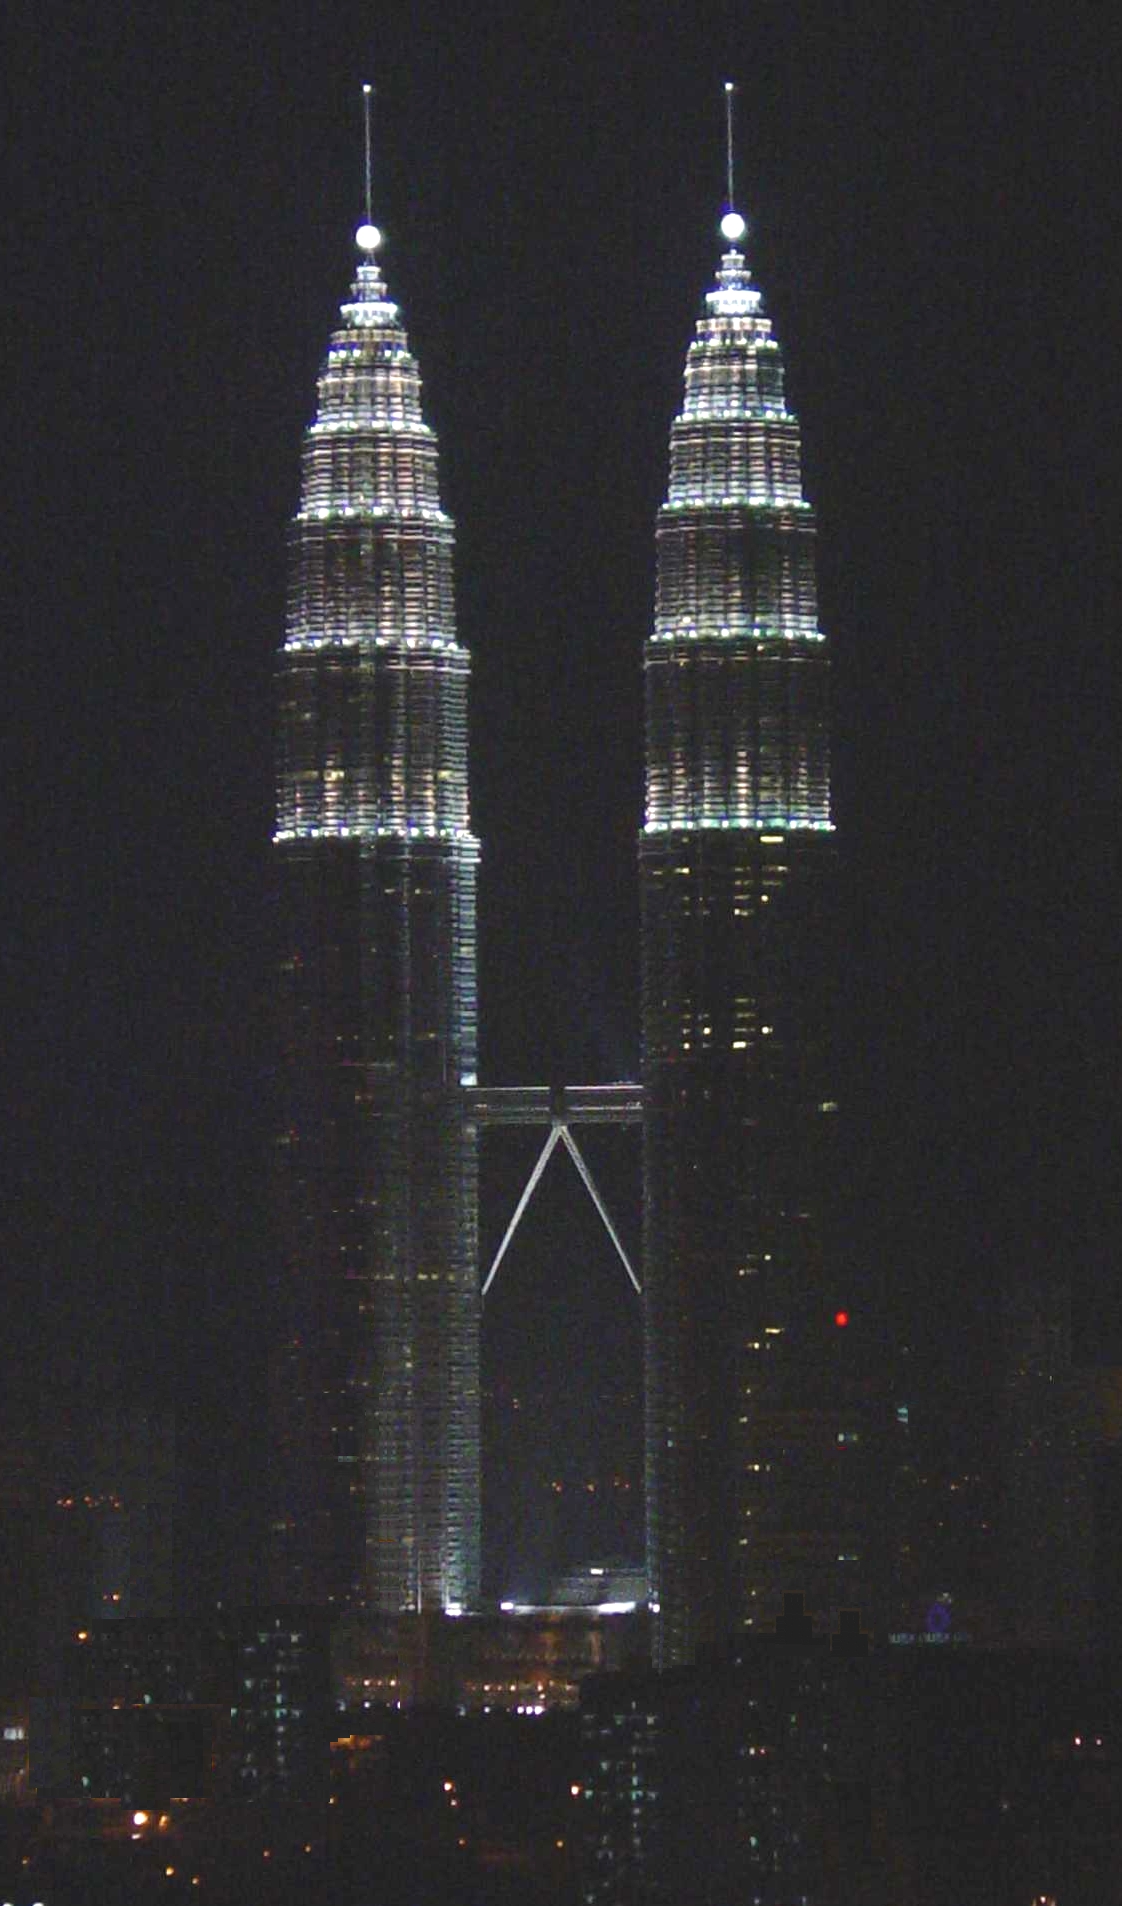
<point>556,1109</point>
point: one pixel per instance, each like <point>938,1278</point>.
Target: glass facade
<point>375,1392</point>
<point>750,1382</point>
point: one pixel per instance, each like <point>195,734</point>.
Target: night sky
<point>929,206</point>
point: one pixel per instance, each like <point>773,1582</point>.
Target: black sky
<point>930,204</point>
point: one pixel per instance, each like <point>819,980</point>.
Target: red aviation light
<point>841,1318</point>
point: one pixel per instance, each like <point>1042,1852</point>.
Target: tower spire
<point>366,94</point>
<point>368,237</point>
<point>733,226</point>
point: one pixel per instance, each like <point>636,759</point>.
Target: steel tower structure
<point>754,1486</point>
<point>375,1392</point>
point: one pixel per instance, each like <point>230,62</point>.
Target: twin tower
<point>755,1471</point>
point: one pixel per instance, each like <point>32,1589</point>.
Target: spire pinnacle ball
<point>368,238</point>
<point>733,227</point>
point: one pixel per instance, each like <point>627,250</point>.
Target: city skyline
<point>921,226</point>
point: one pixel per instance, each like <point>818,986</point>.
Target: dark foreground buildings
<point>795,1775</point>
<point>375,1384</point>
<point>203,1760</point>
<point>227,1706</point>
<point>759,1444</point>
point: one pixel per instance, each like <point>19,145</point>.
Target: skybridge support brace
<point>564,1107</point>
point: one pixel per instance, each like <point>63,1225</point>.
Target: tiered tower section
<point>748,1392</point>
<point>736,674</point>
<point>376,1389</point>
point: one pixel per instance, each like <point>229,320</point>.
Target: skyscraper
<point>755,1468</point>
<point>375,1390</point>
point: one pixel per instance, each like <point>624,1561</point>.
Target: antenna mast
<point>733,227</point>
<point>367,92</point>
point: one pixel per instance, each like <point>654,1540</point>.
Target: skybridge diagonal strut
<point>559,1134</point>
<point>531,1186</point>
<point>570,1145</point>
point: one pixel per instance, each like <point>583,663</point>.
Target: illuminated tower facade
<point>755,1464</point>
<point>375,1386</point>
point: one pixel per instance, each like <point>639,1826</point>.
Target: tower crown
<point>374,723</point>
<point>369,451</point>
<point>736,680</point>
